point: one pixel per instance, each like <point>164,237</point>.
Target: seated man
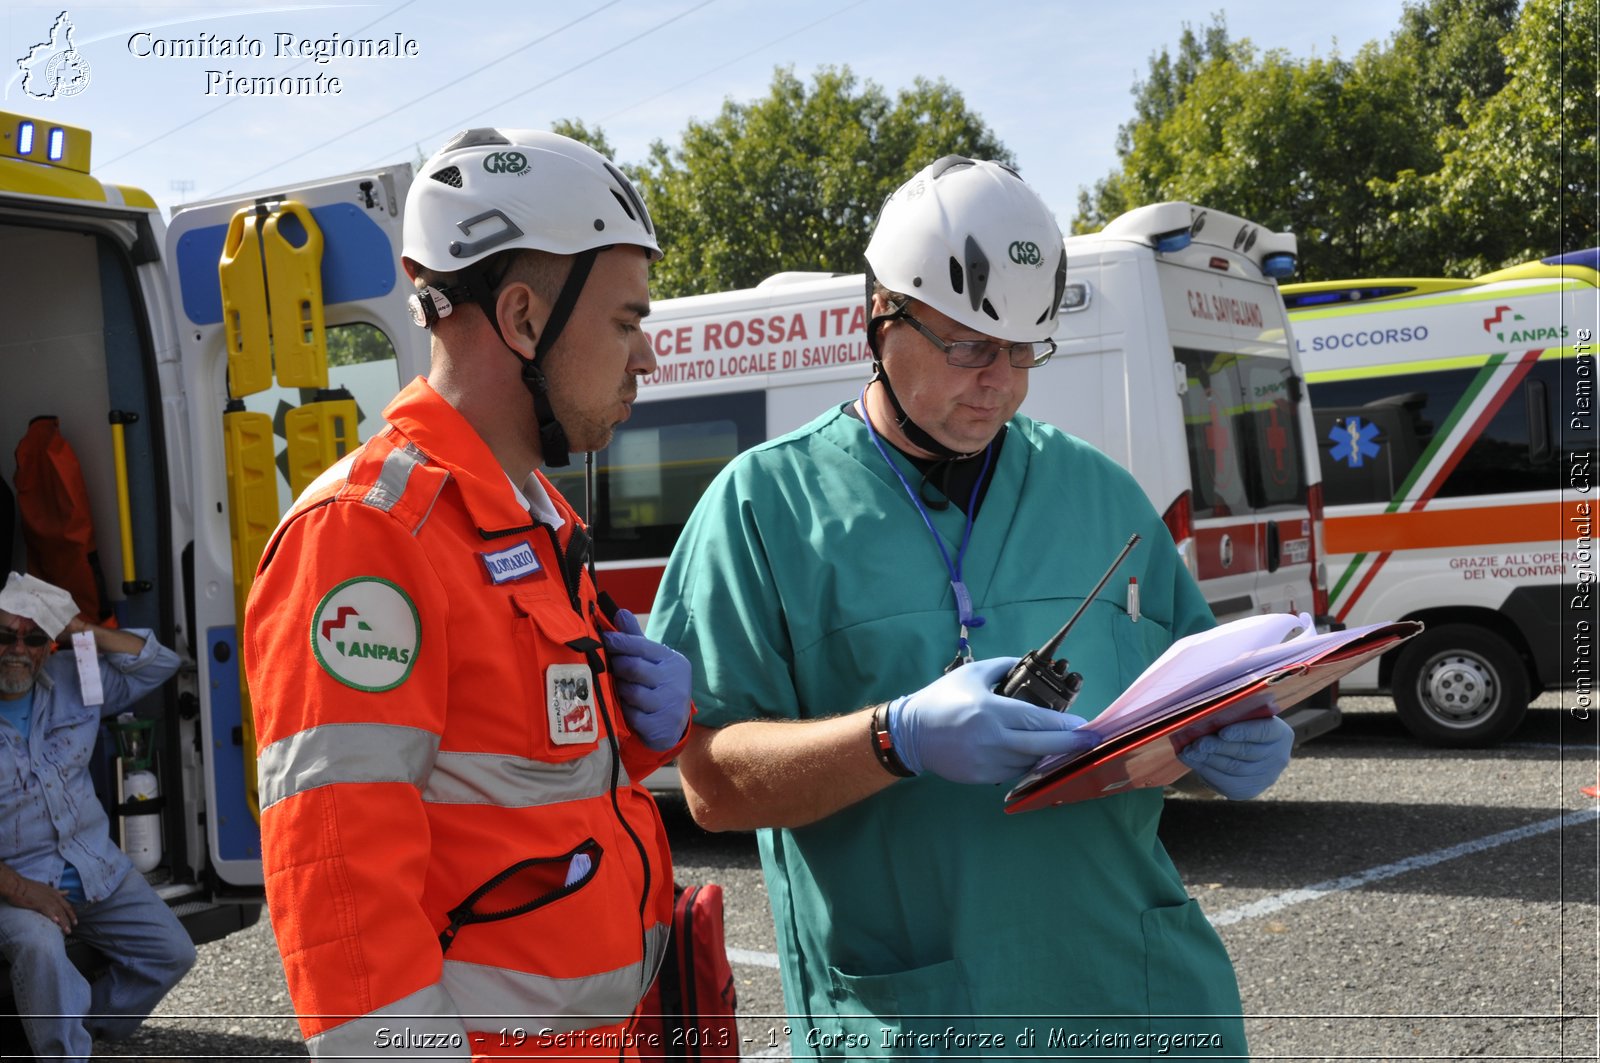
<point>61,875</point>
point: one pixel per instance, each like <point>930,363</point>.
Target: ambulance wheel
<point>1459,685</point>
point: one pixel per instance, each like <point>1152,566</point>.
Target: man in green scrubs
<point>827,588</point>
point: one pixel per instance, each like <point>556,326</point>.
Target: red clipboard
<point>1148,755</point>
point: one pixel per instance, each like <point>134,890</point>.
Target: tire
<point>1459,685</point>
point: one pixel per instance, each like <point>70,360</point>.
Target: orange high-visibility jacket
<point>459,855</point>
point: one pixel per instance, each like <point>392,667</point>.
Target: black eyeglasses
<point>32,639</point>
<point>976,354</point>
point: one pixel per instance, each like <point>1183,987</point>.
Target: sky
<point>1052,79</point>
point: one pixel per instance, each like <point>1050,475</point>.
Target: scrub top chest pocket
<point>557,678</point>
<point>1138,643</point>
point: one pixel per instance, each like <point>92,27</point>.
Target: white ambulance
<point>1452,417</point>
<point>1173,359</point>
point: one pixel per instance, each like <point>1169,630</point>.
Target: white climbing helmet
<point>973,241</point>
<point>490,190</point>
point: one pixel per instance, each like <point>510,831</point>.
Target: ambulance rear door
<point>1244,410</point>
<point>293,335</point>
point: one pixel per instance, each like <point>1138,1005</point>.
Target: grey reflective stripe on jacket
<point>392,477</point>
<point>517,782</point>
<point>381,752</point>
<point>344,753</point>
<point>424,1025</point>
<point>559,1005</point>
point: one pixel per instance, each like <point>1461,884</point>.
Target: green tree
<point>1287,143</point>
<point>1450,50</point>
<point>794,180</point>
<point>1518,175</point>
<point>1154,100</point>
<point>1465,142</point>
<point>577,130</point>
<point>356,344</point>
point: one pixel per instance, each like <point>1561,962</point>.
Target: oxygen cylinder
<point>141,833</point>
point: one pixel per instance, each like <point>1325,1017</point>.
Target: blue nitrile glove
<point>653,682</point>
<point>958,728</point>
<point>1242,759</point>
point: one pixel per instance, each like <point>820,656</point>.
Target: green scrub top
<point>924,920</point>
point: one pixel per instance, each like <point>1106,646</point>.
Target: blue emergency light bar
<point>1278,265</point>
<point>1177,240</point>
<point>44,143</point>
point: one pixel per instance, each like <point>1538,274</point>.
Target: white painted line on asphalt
<point>752,958</point>
<point>1563,747</point>
<point>1280,901</point>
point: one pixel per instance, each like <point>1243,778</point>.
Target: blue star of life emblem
<point>1352,441</point>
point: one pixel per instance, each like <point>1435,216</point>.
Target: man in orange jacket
<point>460,859</point>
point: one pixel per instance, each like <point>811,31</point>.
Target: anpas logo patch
<point>366,633</point>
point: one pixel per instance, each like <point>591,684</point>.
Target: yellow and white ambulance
<point>1450,415</point>
<point>191,376</point>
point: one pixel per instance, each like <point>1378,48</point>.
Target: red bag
<point>56,523</point>
<point>689,1010</point>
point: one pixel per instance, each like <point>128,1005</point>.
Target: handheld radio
<point>1040,679</point>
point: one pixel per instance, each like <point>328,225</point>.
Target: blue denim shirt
<point>48,810</point>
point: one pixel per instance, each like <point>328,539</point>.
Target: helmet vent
<point>958,277</point>
<point>978,271</point>
<point>634,206</point>
<point>450,175</point>
<point>989,309</point>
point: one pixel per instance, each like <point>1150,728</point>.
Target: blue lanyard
<point>963,599</point>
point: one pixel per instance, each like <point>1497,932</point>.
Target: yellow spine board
<point>294,277</point>
<point>252,515</point>
<point>318,434</point>
<point>244,308</point>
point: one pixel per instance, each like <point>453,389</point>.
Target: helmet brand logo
<point>1025,253</point>
<point>505,162</point>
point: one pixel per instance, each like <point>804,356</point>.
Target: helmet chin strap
<point>554,446</point>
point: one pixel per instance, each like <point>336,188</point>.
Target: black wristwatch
<point>883,744</point>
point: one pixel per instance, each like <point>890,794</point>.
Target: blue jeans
<point>61,1012</point>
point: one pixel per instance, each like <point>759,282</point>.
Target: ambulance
<point>141,397</point>
<point>1451,417</point>
<point>1173,358</point>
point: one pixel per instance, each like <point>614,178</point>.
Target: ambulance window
<point>657,466</point>
<point>361,360</point>
<point>357,344</point>
<point>1358,475</point>
<point>1272,436</point>
<point>1504,458</point>
<point>1213,406</point>
<point>1376,435</point>
<point>1370,432</point>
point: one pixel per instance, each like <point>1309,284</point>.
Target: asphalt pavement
<point>1384,901</point>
